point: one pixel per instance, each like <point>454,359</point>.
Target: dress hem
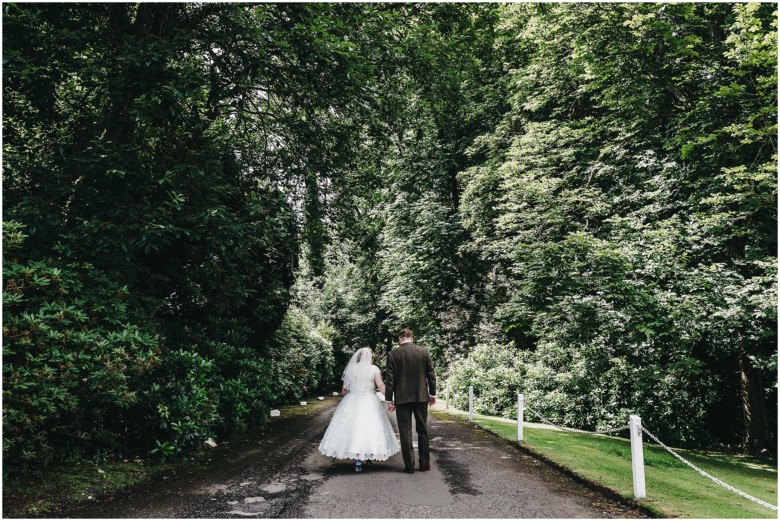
<point>360,456</point>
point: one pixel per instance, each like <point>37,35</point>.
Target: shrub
<point>245,386</point>
<point>185,401</point>
<point>74,357</point>
<point>230,388</point>
<point>83,376</point>
<point>301,359</point>
<point>495,372</point>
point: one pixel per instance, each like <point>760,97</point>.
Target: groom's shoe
<point>409,471</point>
<point>425,467</point>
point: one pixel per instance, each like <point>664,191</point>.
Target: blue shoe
<point>358,466</point>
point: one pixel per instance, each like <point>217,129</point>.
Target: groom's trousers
<point>403,413</point>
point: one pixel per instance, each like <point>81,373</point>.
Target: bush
<point>74,358</point>
<point>573,389</point>
<point>185,401</point>
<point>495,372</point>
<point>301,359</point>
<point>84,376</point>
<point>245,387</point>
<point>230,388</point>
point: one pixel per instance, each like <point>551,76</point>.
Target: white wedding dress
<point>360,428</point>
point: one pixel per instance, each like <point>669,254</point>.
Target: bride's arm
<point>344,391</point>
<point>379,382</point>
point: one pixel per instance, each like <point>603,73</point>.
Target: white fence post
<point>520,407</point>
<point>471,402</point>
<point>637,456</point>
<point>447,397</point>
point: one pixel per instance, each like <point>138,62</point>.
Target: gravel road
<point>282,475</point>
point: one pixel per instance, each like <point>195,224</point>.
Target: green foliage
<point>75,358</point>
<point>591,191</point>
<point>244,385</point>
<point>185,402</point>
<point>579,197</point>
<point>495,373</point>
<point>156,175</point>
<point>82,377</point>
<point>302,360</point>
<point>623,214</point>
<point>195,396</point>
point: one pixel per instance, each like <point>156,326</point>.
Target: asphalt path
<point>281,474</point>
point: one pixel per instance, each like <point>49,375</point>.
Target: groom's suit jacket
<point>410,374</point>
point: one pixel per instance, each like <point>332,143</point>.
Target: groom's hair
<point>405,333</point>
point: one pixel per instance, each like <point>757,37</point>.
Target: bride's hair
<point>361,351</point>
<point>357,366</point>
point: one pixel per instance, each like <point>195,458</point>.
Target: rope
<point>570,429</point>
<point>662,444</point>
<point>716,480</point>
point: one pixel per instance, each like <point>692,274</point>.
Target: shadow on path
<point>281,474</point>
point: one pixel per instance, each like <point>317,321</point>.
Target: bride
<point>360,429</point>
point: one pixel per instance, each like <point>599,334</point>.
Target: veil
<point>358,369</point>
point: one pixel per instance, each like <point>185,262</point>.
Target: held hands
<point>390,406</point>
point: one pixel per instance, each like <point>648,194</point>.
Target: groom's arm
<point>390,378</point>
<point>430,375</point>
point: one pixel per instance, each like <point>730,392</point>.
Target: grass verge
<point>673,488</point>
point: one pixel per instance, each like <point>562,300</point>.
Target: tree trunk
<point>454,189</point>
<point>754,409</point>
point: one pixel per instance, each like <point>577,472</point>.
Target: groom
<point>411,379</point>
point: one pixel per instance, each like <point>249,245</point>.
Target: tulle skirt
<point>360,429</point>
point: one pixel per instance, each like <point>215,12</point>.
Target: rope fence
<point>706,475</point>
<point>637,457</point>
<point>614,430</point>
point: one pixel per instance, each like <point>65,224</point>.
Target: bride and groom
<point>361,430</point>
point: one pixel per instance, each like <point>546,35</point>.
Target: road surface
<point>282,475</point>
